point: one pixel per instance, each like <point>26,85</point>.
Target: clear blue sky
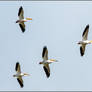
<point>59,26</point>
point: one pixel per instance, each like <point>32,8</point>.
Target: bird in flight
<point>22,19</point>
<point>46,61</point>
<point>19,75</point>
<point>84,41</point>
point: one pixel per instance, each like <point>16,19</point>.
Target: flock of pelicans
<point>45,61</point>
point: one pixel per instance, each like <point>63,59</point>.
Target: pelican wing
<point>82,50</point>
<point>21,13</point>
<point>85,33</point>
<point>19,79</point>
<point>17,68</point>
<point>45,53</point>
<point>47,70</point>
<point>22,26</point>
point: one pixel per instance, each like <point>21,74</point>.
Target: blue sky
<point>59,26</point>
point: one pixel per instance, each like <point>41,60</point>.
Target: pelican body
<point>19,74</point>
<point>46,61</point>
<point>84,41</point>
<point>22,19</point>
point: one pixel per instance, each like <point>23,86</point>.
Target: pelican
<point>22,19</point>
<point>46,61</point>
<point>19,75</point>
<point>84,41</point>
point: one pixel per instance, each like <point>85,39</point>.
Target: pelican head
<point>28,18</point>
<point>40,62</point>
<point>80,42</point>
<point>26,74</point>
<point>14,75</point>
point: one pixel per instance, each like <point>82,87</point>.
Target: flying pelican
<point>19,74</point>
<point>84,41</point>
<point>46,61</point>
<point>22,19</point>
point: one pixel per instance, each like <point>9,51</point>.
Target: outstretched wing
<point>85,33</point>
<point>21,13</point>
<point>45,53</point>
<point>19,79</point>
<point>22,26</point>
<point>82,49</point>
<point>47,70</point>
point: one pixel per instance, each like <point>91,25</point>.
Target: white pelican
<point>46,61</point>
<point>22,19</point>
<point>84,41</point>
<point>19,74</point>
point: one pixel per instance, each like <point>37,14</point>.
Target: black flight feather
<point>46,71</point>
<point>44,49</point>
<point>85,29</point>
<point>21,84</point>
<point>20,10</point>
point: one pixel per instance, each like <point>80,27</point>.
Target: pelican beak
<point>40,62</point>
<point>28,18</point>
<point>54,60</point>
<point>26,74</point>
<point>90,41</point>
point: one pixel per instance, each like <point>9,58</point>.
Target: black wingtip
<point>17,63</point>
<point>20,10</point>
<point>20,6</point>
<point>87,27</point>
<point>23,31</point>
<point>45,46</point>
<point>44,49</point>
<point>82,55</point>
